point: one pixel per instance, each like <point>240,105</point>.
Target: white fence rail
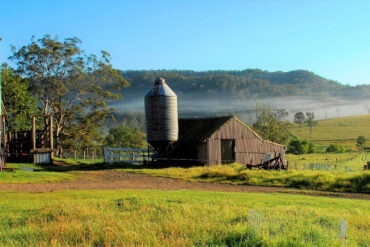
<point>128,155</point>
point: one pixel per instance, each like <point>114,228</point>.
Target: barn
<point>223,140</point>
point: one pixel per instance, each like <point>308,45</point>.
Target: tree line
<point>245,84</point>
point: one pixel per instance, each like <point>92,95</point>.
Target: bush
<point>301,147</point>
<point>335,148</point>
<point>361,141</point>
<point>124,137</point>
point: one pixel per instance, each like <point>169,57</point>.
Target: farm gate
<point>128,155</point>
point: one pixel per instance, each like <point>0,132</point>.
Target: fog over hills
<point>212,93</point>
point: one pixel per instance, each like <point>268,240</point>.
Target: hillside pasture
<point>342,131</point>
<point>179,218</point>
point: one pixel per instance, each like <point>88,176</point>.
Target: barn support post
<point>2,134</point>
<point>51,137</point>
<point>5,139</point>
<point>34,137</point>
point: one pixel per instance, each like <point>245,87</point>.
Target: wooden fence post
<point>105,153</point>
<point>34,137</point>
<point>51,136</point>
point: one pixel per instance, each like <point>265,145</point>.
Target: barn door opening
<point>228,151</point>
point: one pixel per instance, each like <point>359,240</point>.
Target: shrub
<point>301,147</point>
<point>122,136</point>
<point>335,148</point>
<point>361,141</point>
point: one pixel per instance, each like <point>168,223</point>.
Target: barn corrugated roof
<point>199,129</point>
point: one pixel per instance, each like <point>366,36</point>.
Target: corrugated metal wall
<point>250,149</point>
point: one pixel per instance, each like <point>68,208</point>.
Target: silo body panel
<point>161,115</point>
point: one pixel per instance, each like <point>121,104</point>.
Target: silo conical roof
<point>160,88</point>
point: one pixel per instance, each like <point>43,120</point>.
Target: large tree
<point>299,118</point>
<point>272,124</point>
<point>69,84</point>
<point>19,103</point>
<point>310,120</point>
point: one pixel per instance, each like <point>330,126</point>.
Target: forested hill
<point>240,84</point>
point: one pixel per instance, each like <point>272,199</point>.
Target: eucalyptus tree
<point>69,84</point>
<point>271,124</point>
<point>18,102</point>
<point>310,120</point>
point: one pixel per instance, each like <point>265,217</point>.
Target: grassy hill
<point>339,130</point>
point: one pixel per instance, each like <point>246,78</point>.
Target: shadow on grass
<point>247,239</point>
<point>65,166</point>
<point>87,167</point>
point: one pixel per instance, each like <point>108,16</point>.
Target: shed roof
<point>199,129</point>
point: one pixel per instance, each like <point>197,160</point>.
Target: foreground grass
<point>39,175</point>
<point>179,218</point>
<point>236,174</point>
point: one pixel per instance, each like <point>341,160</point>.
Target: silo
<point>161,116</point>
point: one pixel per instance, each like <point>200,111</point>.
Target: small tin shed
<point>42,156</point>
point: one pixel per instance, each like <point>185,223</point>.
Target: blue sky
<point>329,38</point>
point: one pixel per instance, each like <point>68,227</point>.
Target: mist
<point>330,107</point>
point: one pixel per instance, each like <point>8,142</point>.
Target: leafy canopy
<point>310,120</point>
<point>122,136</point>
<point>272,125</point>
<point>70,85</point>
<point>361,141</point>
<point>301,147</point>
<point>19,103</point>
<point>299,118</point>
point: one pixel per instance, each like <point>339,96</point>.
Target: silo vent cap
<point>159,80</point>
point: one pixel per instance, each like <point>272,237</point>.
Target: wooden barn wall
<point>249,148</point>
<point>214,152</point>
<point>202,152</point>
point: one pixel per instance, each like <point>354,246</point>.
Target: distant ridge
<point>242,84</point>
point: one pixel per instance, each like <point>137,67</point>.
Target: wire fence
<point>323,167</point>
<point>144,156</point>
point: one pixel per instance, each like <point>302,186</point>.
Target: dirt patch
<point>117,180</point>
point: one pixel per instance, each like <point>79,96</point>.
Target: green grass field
<point>339,130</point>
<point>39,175</point>
<point>235,174</point>
<point>179,218</point>
<point>353,179</point>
